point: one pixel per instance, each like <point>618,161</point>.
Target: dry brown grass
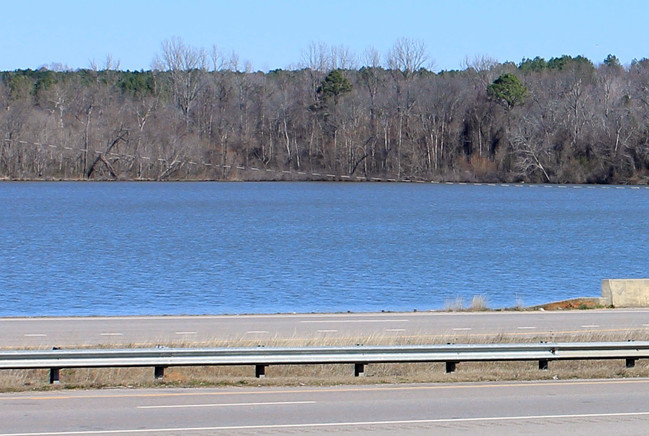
<point>318,375</point>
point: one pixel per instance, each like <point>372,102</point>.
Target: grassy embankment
<point>320,375</point>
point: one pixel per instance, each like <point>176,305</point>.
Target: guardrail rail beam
<point>360,357</point>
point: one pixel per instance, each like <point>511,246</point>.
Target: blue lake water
<point>212,248</point>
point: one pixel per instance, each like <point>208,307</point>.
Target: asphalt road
<point>597,407</point>
<point>143,331</point>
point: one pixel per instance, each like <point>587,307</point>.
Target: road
<point>152,330</point>
<point>590,407</point>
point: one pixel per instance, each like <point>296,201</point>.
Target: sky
<point>276,33</point>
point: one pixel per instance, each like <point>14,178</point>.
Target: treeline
<point>564,120</point>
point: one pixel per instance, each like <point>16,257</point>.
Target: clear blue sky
<point>274,34</point>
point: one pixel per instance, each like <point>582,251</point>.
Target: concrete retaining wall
<point>625,292</point>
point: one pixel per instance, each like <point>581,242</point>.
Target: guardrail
<point>359,356</point>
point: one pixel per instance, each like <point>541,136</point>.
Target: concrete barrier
<point>625,292</point>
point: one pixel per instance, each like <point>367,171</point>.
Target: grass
<point>336,374</point>
<point>478,304</point>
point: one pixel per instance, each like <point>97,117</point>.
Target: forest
<point>195,116</point>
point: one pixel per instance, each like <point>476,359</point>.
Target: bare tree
<point>110,64</point>
<point>217,62</point>
<point>483,67</point>
<point>531,151</point>
<point>317,57</point>
<point>342,58</point>
<point>407,55</point>
<point>186,67</point>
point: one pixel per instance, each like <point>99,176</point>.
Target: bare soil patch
<point>572,304</point>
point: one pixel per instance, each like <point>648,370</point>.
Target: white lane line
<point>326,331</point>
<point>186,333</point>
<point>111,334</point>
<point>395,330</point>
<point>645,325</point>
<point>311,321</point>
<point>256,332</point>
<point>182,406</point>
<point>462,329</point>
<point>339,424</point>
<point>526,328</point>
<point>35,335</point>
<point>590,326</point>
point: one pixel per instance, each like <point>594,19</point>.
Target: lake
<point>128,248</point>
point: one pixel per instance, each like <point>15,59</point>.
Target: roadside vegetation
<point>326,375</point>
<point>199,115</point>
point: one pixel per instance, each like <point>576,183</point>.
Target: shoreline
<point>337,179</point>
<point>580,303</point>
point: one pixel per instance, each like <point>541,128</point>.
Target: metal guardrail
<point>261,357</point>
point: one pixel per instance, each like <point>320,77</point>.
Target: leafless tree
<point>407,55</point>
<point>186,67</point>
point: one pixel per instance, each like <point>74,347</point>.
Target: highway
<point>588,407</point>
<point>296,328</point>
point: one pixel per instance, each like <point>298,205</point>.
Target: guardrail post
<point>159,372</point>
<point>543,364</point>
<point>450,367</point>
<point>630,362</point>
<point>359,370</point>
<point>54,376</point>
<point>260,371</point>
